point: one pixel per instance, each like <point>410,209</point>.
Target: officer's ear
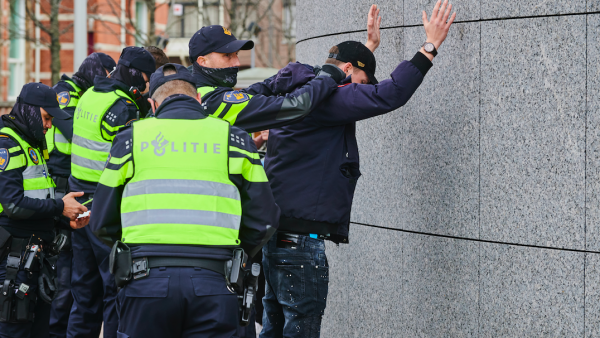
<point>347,68</point>
<point>199,97</point>
<point>152,105</point>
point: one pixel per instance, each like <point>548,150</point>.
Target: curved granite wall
<point>478,212</point>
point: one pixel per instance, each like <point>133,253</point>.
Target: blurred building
<point>114,24</point>
<point>270,23</point>
<point>111,25</point>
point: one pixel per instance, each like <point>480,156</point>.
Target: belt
<point>155,262</point>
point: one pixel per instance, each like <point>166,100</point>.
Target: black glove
<point>333,72</point>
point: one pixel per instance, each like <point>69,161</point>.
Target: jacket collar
<point>105,85</point>
<point>180,107</point>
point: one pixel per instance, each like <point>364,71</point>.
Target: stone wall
<point>478,213</point>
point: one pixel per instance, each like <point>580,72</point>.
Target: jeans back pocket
<point>291,283</point>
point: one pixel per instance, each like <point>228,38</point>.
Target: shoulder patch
<point>33,155</point>
<point>235,97</point>
<point>64,98</point>
<point>4,158</point>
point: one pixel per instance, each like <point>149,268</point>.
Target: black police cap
<point>107,62</point>
<point>138,58</point>
<point>159,78</point>
<point>217,39</point>
<point>359,56</point>
<point>40,95</point>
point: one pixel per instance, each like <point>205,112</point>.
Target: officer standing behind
<point>186,192</point>
<point>58,140</point>
<point>100,113</point>
<point>317,209</point>
<point>28,209</point>
<point>213,53</point>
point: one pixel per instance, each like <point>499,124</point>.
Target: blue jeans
<point>297,281</point>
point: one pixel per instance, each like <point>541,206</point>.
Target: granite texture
<point>500,143</point>
<point>533,131</point>
<point>593,135</point>
<point>465,10</point>
<point>440,287</point>
<point>592,295</point>
<point>371,292</point>
<point>351,16</point>
<point>494,9</point>
<point>530,292</point>
<point>440,139</point>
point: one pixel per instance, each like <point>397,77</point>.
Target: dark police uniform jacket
<point>119,114</point>
<point>265,108</point>
<point>260,214</point>
<point>313,165</point>
<point>59,164</point>
<point>22,216</point>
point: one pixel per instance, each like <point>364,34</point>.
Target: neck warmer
<point>27,120</point>
<point>130,76</point>
<point>89,69</point>
<point>220,77</point>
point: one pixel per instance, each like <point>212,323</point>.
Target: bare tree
<point>52,29</point>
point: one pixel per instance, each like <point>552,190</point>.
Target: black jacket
<point>313,165</point>
<point>23,216</point>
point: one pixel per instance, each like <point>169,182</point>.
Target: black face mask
<point>222,77</point>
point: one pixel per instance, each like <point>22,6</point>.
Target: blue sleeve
<point>121,113</point>
<point>262,88</point>
<point>13,200</point>
<point>266,112</point>
<point>354,102</point>
<point>260,213</point>
<point>106,219</point>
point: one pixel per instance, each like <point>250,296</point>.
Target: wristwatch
<point>430,48</point>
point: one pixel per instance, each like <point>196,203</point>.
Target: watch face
<point>429,47</point>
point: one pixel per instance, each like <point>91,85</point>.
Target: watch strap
<point>434,52</point>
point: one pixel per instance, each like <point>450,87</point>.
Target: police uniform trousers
<point>297,282</point>
<point>39,327</point>
<point>178,302</point>
<point>61,306</point>
<point>93,287</point>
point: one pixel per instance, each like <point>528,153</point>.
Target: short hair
<point>173,87</point>
<point>333,61</point>
<point>159,56</point>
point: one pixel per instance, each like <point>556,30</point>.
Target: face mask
<point>223,77</point>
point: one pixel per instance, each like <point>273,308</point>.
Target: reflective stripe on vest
<point>36,180</point>
<point>89,150</point>
<point>226,111</point>
<point>180,192</point>
<point>54,137</point>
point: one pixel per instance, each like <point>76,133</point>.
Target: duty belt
<point>141,266</point>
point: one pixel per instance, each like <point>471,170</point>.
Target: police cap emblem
<point>4,158</point>
<point>64,98</point>
<point>33,155</point>
<point>235,97</point>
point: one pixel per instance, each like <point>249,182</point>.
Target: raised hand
<point>438,26</point>
<point>373,24</point>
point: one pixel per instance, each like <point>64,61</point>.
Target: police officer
<point>58,140</point>
<point>100,113</point>
<point>28,210</point>
<point>213,53</point>
<point>197,193</point>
